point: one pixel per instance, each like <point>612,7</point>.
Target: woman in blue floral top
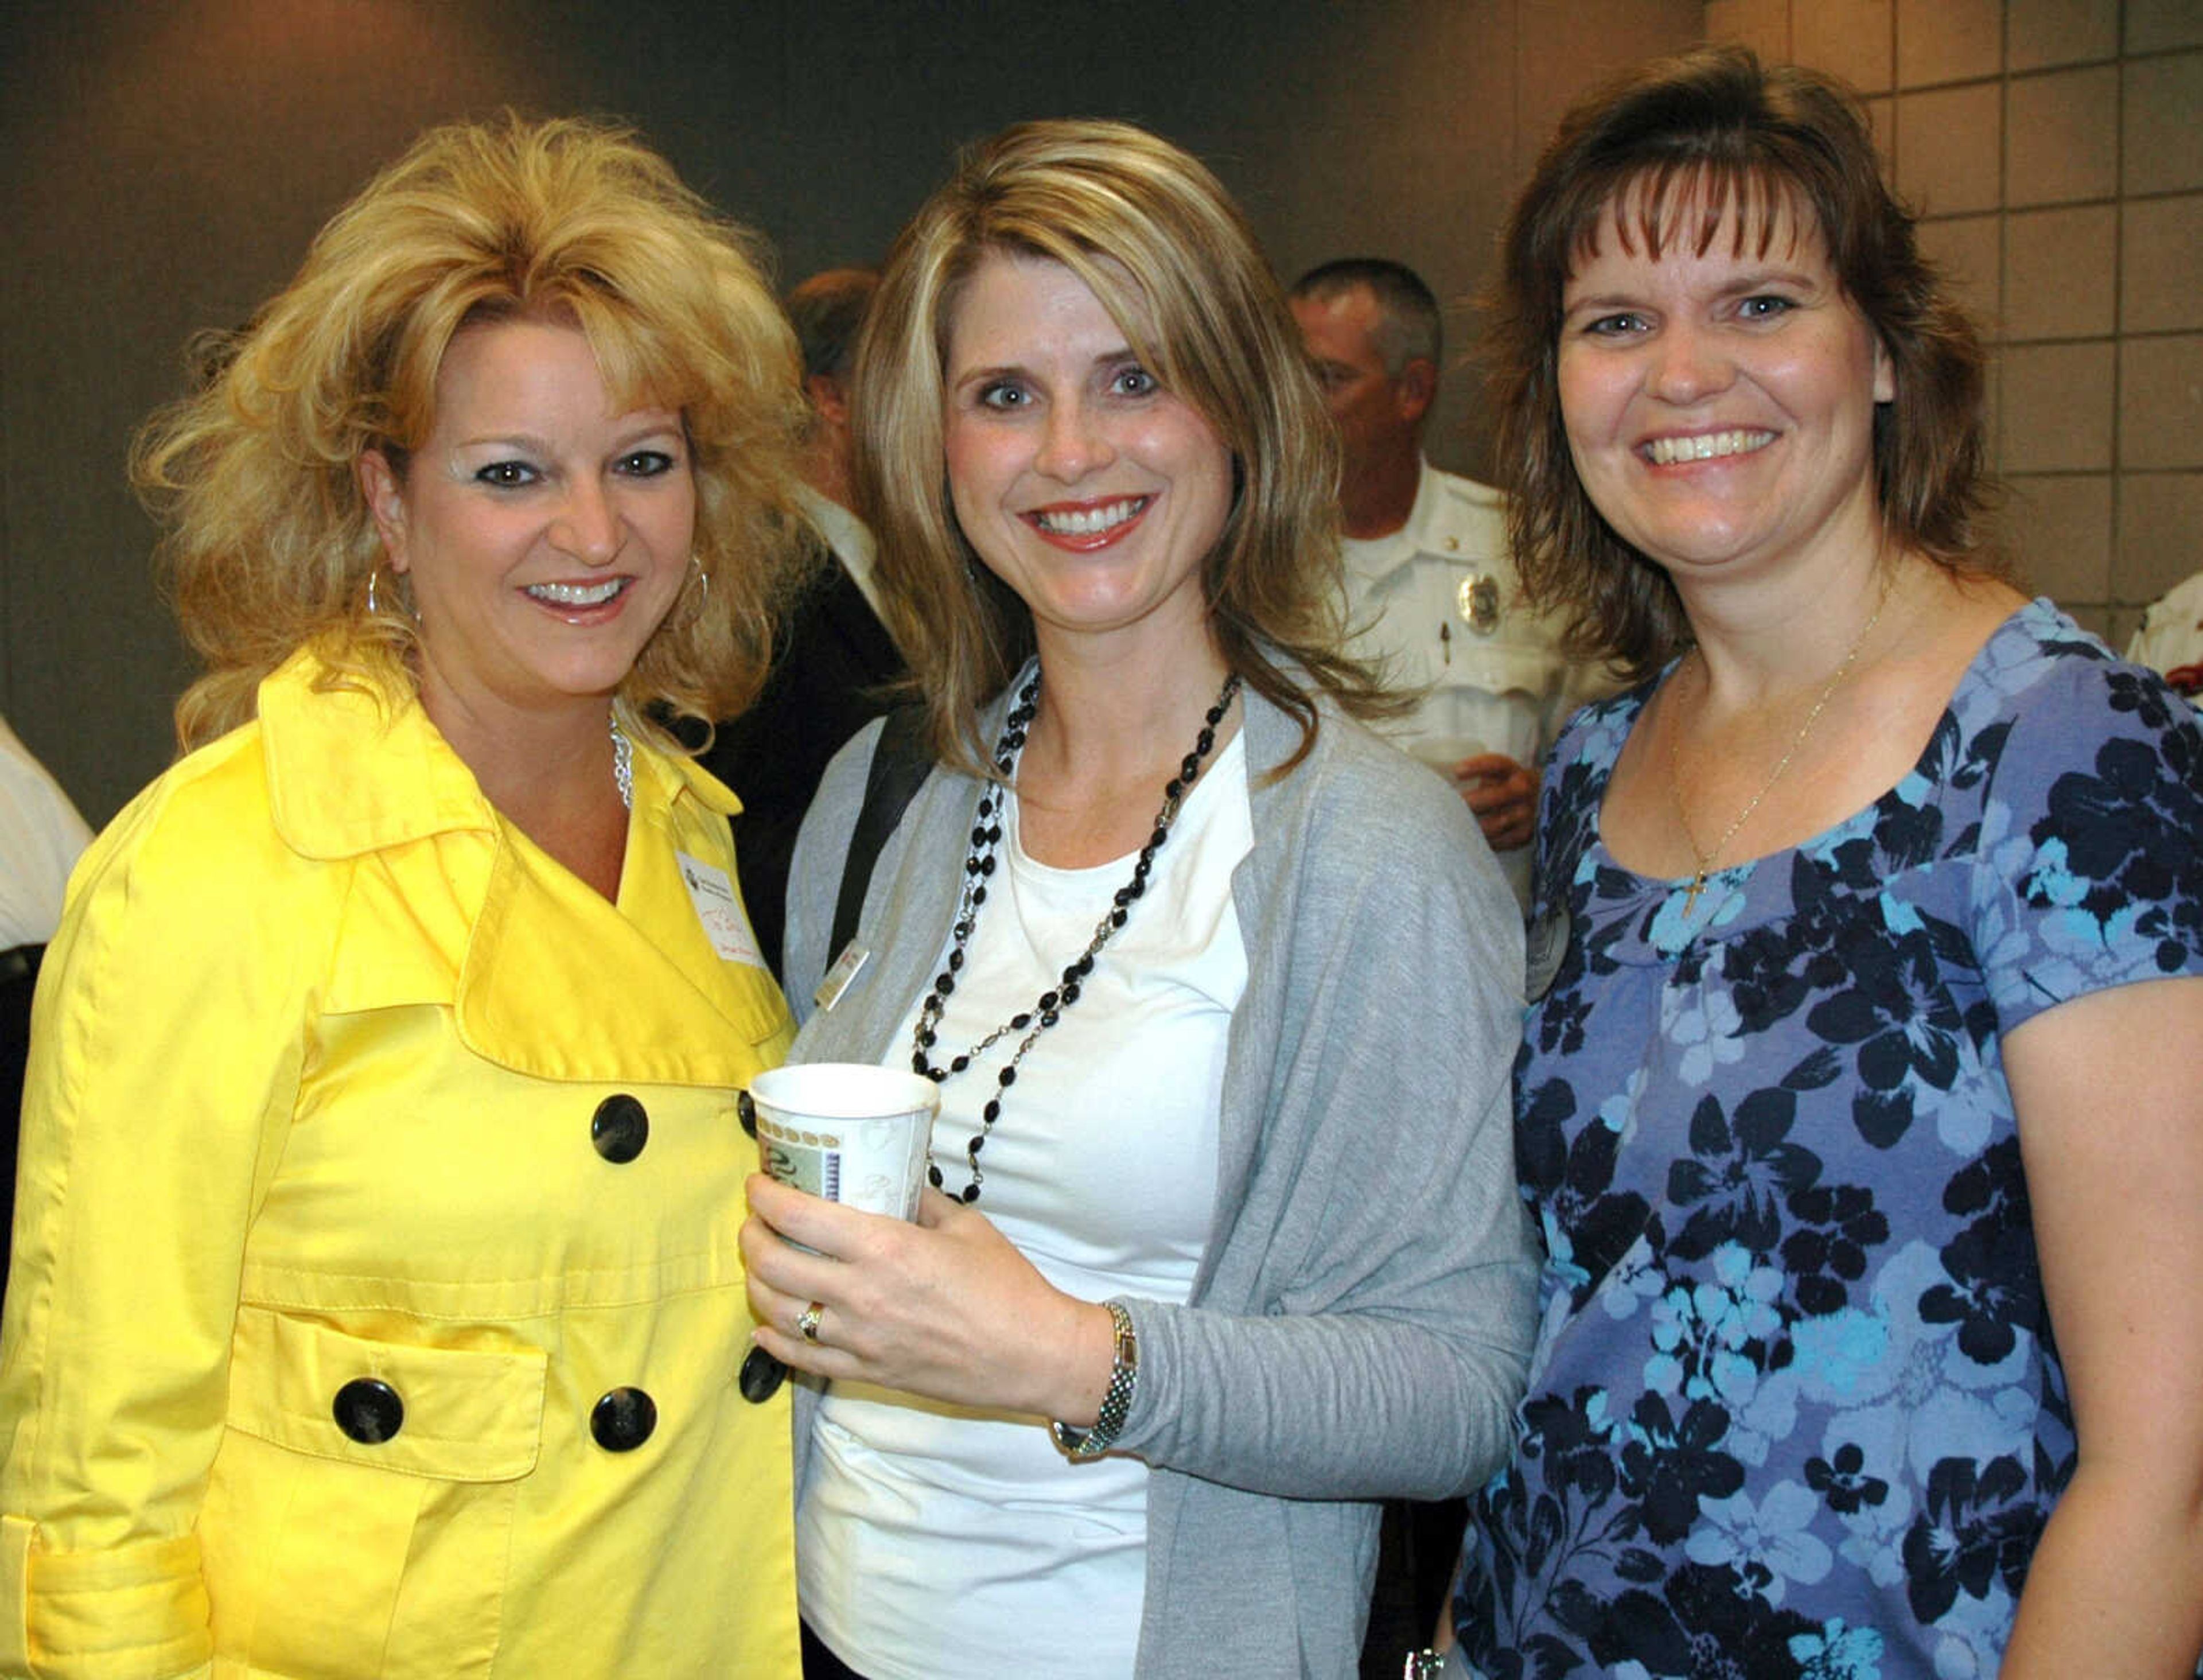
<point>1862,1097</point>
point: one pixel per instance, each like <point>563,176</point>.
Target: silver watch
<point>1080,1445</point>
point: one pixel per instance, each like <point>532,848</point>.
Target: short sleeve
<point>2089,874</point>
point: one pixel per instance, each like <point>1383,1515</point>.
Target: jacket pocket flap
<point>456,1414</point>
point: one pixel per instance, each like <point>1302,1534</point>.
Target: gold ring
<point>807,1321</point>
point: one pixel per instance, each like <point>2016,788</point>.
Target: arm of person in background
<point>1502,795</point>
<point>41,837</point>
<point>2109,1092</point>
<point>1408,1306</point>
<point>2170,640</point>
<point>166,1053</point>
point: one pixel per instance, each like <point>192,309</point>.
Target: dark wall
<point>163,163</point>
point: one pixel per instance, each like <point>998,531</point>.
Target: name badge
<point>845,969</point>
<point>719,911</point>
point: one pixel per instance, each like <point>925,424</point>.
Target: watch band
<point>1079,1444</point>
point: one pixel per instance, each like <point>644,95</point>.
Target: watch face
<point>1479,598</point>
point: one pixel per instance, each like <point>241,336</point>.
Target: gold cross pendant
<point>1691,892</point>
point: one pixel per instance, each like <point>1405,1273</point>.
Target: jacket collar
<point>399,782</point>
<point>553,981</point>
<point>402,781</point>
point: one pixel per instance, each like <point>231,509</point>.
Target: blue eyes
<point>1614,326</point>
<point>1628,323</point>
<point>1006,396</point>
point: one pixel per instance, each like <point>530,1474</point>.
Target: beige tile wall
<point>2055,150</point>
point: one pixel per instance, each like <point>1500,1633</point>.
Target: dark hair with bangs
<point>1715,126</point>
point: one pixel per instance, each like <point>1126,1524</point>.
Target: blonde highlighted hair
<point>1160,245</point>
<point>270,546</point>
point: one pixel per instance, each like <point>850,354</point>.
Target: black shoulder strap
<point>899,765</point>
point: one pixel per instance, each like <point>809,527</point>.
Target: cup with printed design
<point>850,1131</point>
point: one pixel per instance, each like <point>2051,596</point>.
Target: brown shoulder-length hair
<point>270,546</point>
<point>1160,244</point>
<point>1714,131</point>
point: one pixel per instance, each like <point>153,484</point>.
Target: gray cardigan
<point>1360,1325</point>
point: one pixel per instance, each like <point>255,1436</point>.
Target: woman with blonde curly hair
<point>1223,1250</point>
<point>376,1300</point>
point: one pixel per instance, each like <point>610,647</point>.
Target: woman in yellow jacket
<point>376,1307</point>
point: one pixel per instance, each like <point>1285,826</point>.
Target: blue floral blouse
<point>1795,1408</point>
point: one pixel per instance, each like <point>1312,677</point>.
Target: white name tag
<point>720,912</point>
<point>854,957</point>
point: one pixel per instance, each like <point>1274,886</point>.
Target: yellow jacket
<point>335,1092</point>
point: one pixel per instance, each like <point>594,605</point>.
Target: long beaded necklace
<point>979,864</point>
<point>1706,861</point>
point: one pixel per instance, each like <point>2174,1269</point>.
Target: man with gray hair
<point>831,671</point>
<point>1431,591</point>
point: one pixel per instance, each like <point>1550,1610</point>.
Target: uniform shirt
<point>2170,639</point>
<point>1437,603</point>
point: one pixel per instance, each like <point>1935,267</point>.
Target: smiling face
<point>1078,479</point>
<point>545,536</point>
<point>1720,406</point>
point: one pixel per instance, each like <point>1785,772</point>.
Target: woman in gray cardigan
<point>1224,1245</point>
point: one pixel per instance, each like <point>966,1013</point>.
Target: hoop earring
<point>398,602</point>
<point>703,577</point>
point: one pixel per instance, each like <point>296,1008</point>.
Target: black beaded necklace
<point>979,864</point>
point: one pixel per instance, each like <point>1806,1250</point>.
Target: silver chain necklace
<point>622,764</point>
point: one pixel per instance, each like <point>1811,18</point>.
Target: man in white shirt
<point>41,836</point>
<point>1431,590</point>
<point>835,655</point>
<point>2170,639</point>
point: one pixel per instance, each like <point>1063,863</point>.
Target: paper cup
<point>1442,752</point>
<point>850,1131</point>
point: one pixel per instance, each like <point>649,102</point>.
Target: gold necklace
<point>1706,860</point>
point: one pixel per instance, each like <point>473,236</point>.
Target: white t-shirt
<point>934,1542</point>
<point>1437,605</point>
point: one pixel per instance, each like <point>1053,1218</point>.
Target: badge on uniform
<point>1479,598</point>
